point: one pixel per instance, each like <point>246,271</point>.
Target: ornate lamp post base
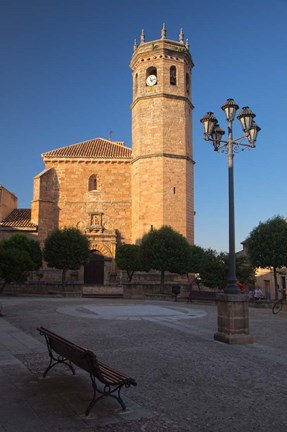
<point>232,319</point>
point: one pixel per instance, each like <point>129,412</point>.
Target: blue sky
<point>65,78</point>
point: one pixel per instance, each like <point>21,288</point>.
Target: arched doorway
<point>94,270</point>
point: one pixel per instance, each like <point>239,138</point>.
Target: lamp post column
<point>231,288</point>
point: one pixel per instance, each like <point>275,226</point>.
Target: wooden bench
<point>202,295</point>
<point>63,351</point>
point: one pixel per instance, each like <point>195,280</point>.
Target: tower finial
<point>135,44</point>
<point>187,44</point>
<point>163,32</point>
<point>181,36</point>
<point>142,36</point>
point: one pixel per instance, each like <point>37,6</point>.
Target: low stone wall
<point>103,291</point>
<point>70,290</point>
<point>142,291</point>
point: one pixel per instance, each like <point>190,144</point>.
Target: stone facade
<point>162,166</point>
<point>62,198</point>
<point>8,202</point>
<point>114,193</point>
<point>265,281</point>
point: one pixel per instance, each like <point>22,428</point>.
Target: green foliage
<point>165,250</point>
<point>66,249</point>
<point>214,269</point>
<point>26,244</point>
<point>267,243</point>
<point>244,271</point>
<point>196,259</point>
<point>128,258</point>
<point>18,255</point>
<point>14,265</point>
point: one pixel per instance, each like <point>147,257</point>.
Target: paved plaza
<point>186,380</point>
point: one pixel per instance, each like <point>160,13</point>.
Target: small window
<point>172,75</point>
<point>93,183</point>
<point>136,83</point>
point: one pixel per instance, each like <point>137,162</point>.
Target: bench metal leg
<point>55,360</point>
<point>107,391</point>
<point>60,359</point>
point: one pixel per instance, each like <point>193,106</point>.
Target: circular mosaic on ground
<point>135,312</point>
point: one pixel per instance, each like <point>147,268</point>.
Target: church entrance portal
<point>94,270</point>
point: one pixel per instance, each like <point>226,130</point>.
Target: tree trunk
<point>64,271</point>
<point>161,282</point>
<point>275,282</point>
<point>130,275</point>
<point>2,287</point>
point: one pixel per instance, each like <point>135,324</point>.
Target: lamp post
<point>214,133</point>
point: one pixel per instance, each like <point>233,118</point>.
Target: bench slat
<point>86,360</point>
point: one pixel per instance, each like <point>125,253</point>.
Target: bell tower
<point>162,165</point>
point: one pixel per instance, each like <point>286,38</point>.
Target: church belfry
<point>162,161</point>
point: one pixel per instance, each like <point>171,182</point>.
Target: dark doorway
<point>94,270</point>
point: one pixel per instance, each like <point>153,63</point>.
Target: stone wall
<point>8,202</point>
<point>143,291</point>
<point>34,288</point>
<point>162,166</point>
<point>103,210</point>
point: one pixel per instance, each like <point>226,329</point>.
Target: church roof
<point>18,218</point>
<point>97,148</point>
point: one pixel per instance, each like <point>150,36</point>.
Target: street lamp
<point>213,133</point>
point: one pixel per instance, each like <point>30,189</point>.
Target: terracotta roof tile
<point>18,218</point>
<point>97,148</point>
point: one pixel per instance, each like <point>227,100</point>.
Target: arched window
<point>187,83</point>
<point>172,75</point>
<point>151,72</point>
<point>93,183</point>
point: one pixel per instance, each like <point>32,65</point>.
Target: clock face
<point>151,80</point>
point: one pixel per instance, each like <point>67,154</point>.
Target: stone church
<point>115,193</point>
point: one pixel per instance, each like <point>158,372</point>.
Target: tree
<point>66,249</point>
<point>215,266</point>
<point>31,246</point>
<point>165,250</point>
<point>196,258</point>
<point>245,272</point>
<point>128,259</point>
<point>18,255</point>
<point>214,269</point>
<point>267,245</point>
<point>14,265</point>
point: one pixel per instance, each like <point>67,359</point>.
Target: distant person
<point>190,281</point>
<point>197,280</point>
<point>258,294</point>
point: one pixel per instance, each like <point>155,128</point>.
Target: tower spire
<point>135,44</point>
<point>163,32</point>
<point>142,36</point>
<point>181,36</point>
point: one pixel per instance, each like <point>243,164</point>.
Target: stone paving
<point>186,380</point>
